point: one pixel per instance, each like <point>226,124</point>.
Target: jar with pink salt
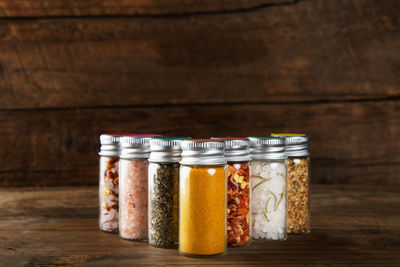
<point>133,186</point>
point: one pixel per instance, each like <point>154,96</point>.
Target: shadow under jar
<point>133,186</point>
<point>108,183</point>
<point>202,198</point>
<point>298,211</point>
<point>268,186</point>
<point>238,159</point>
<point>164,191</point>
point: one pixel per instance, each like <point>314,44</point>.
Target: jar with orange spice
<point>133,186</point>
<point>238,159</point>
<point>202,198</point>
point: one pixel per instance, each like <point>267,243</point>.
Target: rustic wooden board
<point>351,226</point>
<point>350,142</point>
<point>314,51</point>
<point>46,8</point>
<point>70,70</point>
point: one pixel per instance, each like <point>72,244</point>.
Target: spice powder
<point>202,210</point>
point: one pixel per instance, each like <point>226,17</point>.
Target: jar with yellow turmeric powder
<point>202,198</point>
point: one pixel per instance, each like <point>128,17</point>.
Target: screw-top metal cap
<point>203,152</point>
<point>166,149</point>
<point>267,147</point>
<point>236,148</point>
<point>296,144</point>
<point>136,146</point>
<point>109,145</point>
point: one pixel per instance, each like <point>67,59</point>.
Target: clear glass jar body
<point>268,199</point>
<point>163,204</point>
<point>202,210</point>
<point>238,204</point>
<point>133,196</point>
<point>108,194</point>
<point>298,210</point>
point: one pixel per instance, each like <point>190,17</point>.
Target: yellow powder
<point>202,210</point>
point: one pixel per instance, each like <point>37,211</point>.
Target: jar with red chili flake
<point>238,159</point>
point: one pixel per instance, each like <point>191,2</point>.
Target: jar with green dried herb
<point>298,211</point>
<point>164,191</point>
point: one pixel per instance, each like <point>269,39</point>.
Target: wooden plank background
<point>70,70</point>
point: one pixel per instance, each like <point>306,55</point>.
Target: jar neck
<point>269,160</point>
<point>204,166</point>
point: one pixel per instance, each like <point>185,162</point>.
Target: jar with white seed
<point>268,188</point>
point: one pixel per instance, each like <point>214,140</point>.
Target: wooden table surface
<point>351,225</point>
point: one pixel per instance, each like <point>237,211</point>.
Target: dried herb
<point>260,183</point>
<point>238,204</point>
<point>298,214</point>
<point>279,202</point>
<point>163,204</point>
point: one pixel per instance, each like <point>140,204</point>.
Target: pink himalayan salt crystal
<point>133,188</point>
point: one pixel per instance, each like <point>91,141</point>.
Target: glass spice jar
<point>298,210</point>
<point>164,191</point>
<point>268,186</point>
<point>202,198</point>
<point>108,182</point>
<point>238,159</point>
<point>133,185</point>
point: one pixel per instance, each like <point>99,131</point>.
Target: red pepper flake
<point>238,210</point>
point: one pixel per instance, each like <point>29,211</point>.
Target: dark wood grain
<point>46,8</point>
<point>349,142</point>
<point>351,226</point>
<point>70,70</point>
<point>314,51</point>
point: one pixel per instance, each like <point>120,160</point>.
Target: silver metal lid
<point>166,149</point>
<point>109,145</point>
<point>236,149</point>
<point>267,147</point>
<point>203,152</point>
<point>135,146</point>
<point>296,144</point>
